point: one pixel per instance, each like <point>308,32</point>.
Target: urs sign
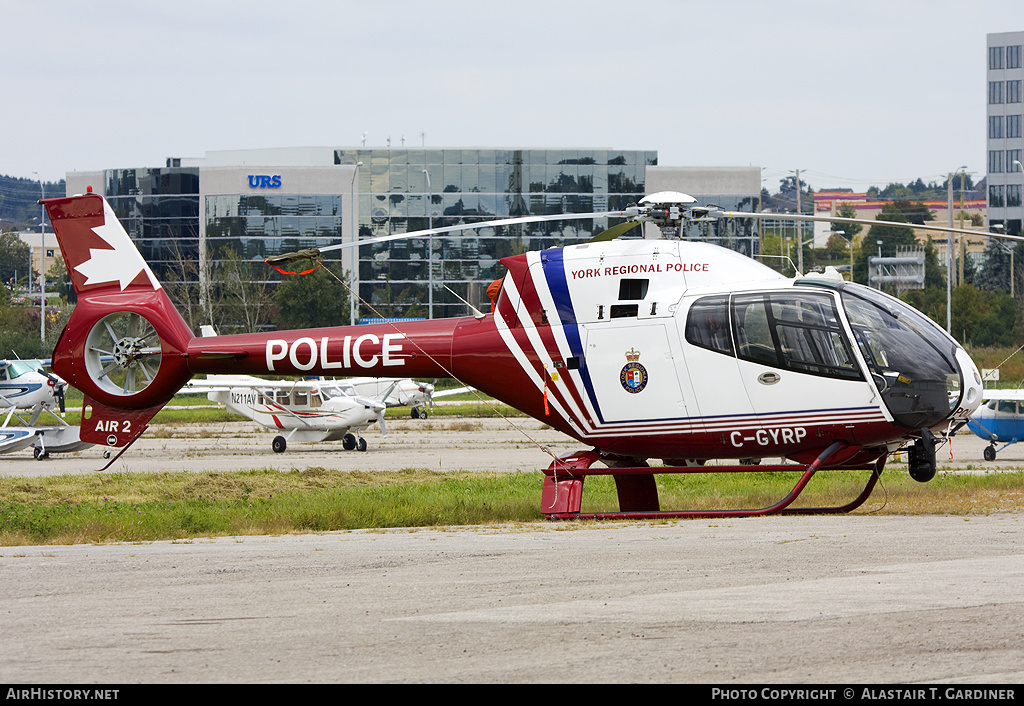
<point>264,181</point>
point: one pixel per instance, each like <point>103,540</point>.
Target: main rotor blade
<point>614,232</point>
<point>863,221</point>
<point>479,224</point>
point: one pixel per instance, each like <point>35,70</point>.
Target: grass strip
<point>131,507</point>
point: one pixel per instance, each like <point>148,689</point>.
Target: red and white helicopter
<point>648,348</point>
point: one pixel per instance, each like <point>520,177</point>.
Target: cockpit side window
<point>795,331</point>
<point>707,324</point>
<point>754,340</point>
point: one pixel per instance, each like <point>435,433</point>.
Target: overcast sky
<point>850,93</point>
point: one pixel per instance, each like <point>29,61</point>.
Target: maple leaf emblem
<point>122,264</point>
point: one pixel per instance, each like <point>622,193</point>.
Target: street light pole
<point>799,230</point>
<point>42,263</point>
<point>949,253</point>
<point>430,253</point>
<point>354,261</point>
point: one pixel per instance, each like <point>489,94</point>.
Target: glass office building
<point>404,190</point>
<point>159,208</point>
<point>247,205</point>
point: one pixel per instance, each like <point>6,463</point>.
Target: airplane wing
<point>56,438</point>
<point>220,383</point>
<point>31,364</point>
<point>1010,395</point>
<point>455,391</point>
<point>14,438</point>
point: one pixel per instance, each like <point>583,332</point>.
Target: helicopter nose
<point>970,400</point>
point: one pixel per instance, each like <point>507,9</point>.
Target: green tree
<point>57,273</point>
<point>884,238</point>
<point>181,282</point>
<point>316,299</point>
<point>850,230</point>
<point>995,273</point>
<point>934,272</point>
<point>242,296</point>
<point>914,211</point>
<point>14,257</point>
<point>19,329</point>
<point>983,318</point>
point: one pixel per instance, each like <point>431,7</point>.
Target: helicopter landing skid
<point>638,494</point>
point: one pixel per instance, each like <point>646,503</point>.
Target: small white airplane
<point>307,411</point>
<point>28,392</point>
<point>404,393</point>
<point>419,396</point>
<point>1000,419</point>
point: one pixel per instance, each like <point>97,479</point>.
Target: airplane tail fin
<point>125,344</point>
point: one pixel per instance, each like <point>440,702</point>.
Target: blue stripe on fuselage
<point>553,265</point>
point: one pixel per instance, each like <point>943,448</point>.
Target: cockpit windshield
<point>912,362</point>
<point>17,368</point>
<point>338,391</point>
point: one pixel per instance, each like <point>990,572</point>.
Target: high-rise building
<point>1005,172</point>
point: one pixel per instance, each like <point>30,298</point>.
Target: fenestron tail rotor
<point>123,353</point>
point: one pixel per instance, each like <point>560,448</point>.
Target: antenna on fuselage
<point>477,314</point>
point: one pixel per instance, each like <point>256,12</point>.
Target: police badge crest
<point>633,376</point>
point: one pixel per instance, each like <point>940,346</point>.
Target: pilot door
<point>767,367</point>
<point>795,359</point>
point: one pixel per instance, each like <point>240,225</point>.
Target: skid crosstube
<point>638,495</point>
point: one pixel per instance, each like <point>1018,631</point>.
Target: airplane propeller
<point>428,390</point>
<point>58,387</point>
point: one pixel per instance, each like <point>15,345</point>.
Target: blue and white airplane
<point>27,392</point>
<point>1000,419</point>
